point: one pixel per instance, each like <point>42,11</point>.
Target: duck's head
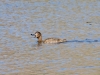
<point>37,34</point>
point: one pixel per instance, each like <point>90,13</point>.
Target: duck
<point>38,35</point>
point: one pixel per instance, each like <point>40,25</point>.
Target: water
<point>77,21</point>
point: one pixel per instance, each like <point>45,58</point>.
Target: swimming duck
<point>38,35</point>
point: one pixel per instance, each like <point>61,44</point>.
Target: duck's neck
<point>40,39</point>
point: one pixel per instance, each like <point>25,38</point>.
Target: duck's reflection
<point>39,43</point>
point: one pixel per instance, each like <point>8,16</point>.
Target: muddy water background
<point>77,21</point>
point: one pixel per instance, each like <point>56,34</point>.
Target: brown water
<point>77,21</point>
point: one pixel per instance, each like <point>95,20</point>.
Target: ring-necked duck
<point>38,35</point>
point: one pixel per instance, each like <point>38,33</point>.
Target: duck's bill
<point>33,35</point>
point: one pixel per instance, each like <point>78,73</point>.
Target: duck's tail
<point>64,40</point>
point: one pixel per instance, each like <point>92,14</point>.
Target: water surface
<point>77,21</point>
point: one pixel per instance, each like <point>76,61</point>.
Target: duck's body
<point>54,40</point>
<point>38,35</point>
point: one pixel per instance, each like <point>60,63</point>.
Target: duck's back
<point>54,40</point>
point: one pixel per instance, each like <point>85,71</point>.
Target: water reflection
<point>86,40</point>
<point>39,43</point>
